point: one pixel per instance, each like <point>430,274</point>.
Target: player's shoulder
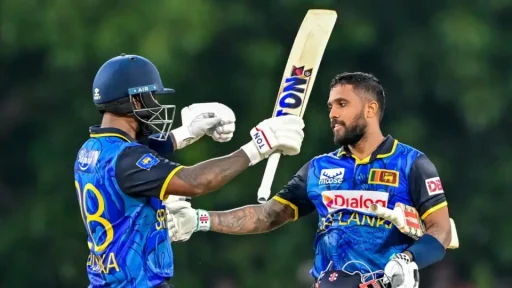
<point>137,153</point>
<point>418,160</point>
<point>324,159</point>
<point>403,148</point>
<point>329,155</point>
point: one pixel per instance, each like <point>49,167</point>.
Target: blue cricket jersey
<point>119,185</point>
<point>341,187</point>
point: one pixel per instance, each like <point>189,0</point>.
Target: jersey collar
<point>96,132</point>
<point>385,149</point>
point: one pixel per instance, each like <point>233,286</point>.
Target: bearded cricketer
<point>367,168</point>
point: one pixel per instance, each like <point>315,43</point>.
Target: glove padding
<point>281,134</point>
<point>213,119</point>
<point>183,220</point>
<point>401,272</point>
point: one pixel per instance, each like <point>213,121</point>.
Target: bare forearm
<point>251,219</point>
<point>211,175</point>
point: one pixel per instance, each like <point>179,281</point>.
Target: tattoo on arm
<point>211,175</point>
<point>252,219</point>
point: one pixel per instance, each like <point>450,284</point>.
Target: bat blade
<point>299,76</point>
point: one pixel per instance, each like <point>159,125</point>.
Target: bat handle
<point>387,214</point>
<point>268,177</point>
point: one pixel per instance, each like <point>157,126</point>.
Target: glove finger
<point>226,112</point>
<point>290,120</point>
<point>287,127</point>
<point>222,137</point>
<point>225,128</point>
<point>296,137</point>
<point>289,133</point>
<point>289,147</point>
<point>289,142</point>
<point>210,122</point>
<point>175,207</point>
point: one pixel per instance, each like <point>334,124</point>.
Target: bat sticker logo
<point>291,95</point>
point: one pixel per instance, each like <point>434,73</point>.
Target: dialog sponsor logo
<point>353,199</point>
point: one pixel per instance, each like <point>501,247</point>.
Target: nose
<point>334,113</point>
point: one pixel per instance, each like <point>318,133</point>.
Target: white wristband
<point>203,220</point>
<point>252,152</point>
<point>182,137</point>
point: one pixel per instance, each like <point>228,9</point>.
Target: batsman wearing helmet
<point>353,247</point>
<point>122,180</point>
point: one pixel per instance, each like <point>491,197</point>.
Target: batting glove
<point>213,119</point>
<point>279,134</point>
<point>401,272</point>
<point>183,220</point>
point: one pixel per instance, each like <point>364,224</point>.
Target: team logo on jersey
<point>434,186</point>
<point>384,177</point>
<point>358,200</point>
<point>87,159</point>
<point>333,277</point>
<point>331,176</point>
<point>147,161</point>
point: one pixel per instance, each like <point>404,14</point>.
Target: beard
<point>353,133</point>
<point>143,132</point>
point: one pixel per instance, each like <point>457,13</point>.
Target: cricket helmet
<point>126,79</point>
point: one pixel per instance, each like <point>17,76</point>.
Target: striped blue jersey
<point>341,187</point>
<point>119,183</point>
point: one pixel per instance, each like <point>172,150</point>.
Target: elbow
<point>197,191</point>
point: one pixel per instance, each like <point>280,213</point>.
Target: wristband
<point>426,251</point>
<point>252,153</point>
<point>182,137</point>
<point>203,220</point>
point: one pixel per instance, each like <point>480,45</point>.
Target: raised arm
<point>207,176</point>
<point>281,133</point>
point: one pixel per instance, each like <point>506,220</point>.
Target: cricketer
<point>351,244</point>
<point>121,181</point>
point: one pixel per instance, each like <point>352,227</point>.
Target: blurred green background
<point>444,65</point>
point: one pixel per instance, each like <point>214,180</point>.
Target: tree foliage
<point>444,66</point>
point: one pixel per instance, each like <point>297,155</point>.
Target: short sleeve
<point>425,187</point>
<point>294,194</point>
<point>141,171</point>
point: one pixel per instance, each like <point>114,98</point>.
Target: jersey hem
<point>167,180</point>
<point>434,209</point>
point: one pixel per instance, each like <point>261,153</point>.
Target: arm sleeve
<point>425,187</point>
<point>141,171</point>
<point>294,194</point>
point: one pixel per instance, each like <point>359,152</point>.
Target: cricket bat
<point>298,79</point>
<point>408,221</point>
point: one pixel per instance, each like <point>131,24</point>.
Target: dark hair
<point>363,82</point>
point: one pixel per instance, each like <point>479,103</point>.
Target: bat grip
<point>266,183</point>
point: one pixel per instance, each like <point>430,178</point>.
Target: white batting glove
<point>213,119</point>
<point>183,220</point>
<point>283,134</point>
<point>401,272</point>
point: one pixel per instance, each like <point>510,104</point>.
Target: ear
<point>372,109</point>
